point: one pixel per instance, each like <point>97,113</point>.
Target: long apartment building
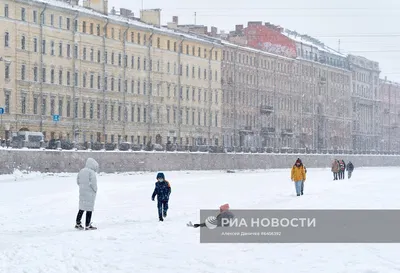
<point>389,118</point>
<point>108,77</point>
<point>277,99</point>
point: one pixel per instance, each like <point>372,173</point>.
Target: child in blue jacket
<point>162,190</point>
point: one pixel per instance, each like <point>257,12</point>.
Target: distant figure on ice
<point>342,169</point>
<point>335,169</point>
<point>163,191</point>
<point>298,176</point>
<point>87,183</point>
<point>350,169</point>
<point>224,213</point>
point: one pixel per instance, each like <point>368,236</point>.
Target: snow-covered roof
<point>306,41</point>
<point>256,50</point>
<point>119,19</point>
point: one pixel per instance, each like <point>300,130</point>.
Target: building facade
<point>283,103</point>
<point>389,118</point>
<point>109,78</point>
<point>366,104</point>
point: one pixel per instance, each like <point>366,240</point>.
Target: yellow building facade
<point>109,78</point>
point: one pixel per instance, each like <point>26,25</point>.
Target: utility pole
<point>195,19</point>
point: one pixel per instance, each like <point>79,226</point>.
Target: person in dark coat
<point>87,183</point>
<point>342,169</point>
<point>350,169</point>
<point>224,213</point>
<point>162,191</point>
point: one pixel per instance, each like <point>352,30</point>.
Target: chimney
<point>238,28</point>
<point>175,19</point>
<point>151,16</point>
<point>254,23</point>
<point>214,31</point>
<point>97,5</point>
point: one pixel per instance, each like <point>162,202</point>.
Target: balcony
<point>287,132</point>
<point>267,131</point>
<point>246,130</point>
<point>266,110</point>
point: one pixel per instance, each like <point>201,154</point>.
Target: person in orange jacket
<point>298,176</point>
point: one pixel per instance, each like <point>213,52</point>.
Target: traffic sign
<point>56,117</point>
<point>1,110</point>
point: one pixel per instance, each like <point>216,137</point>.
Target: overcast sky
<point>364,27</point>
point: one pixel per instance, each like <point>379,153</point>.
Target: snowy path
<point>38,214</point>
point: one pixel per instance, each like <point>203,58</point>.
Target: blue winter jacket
<point>162,190</point>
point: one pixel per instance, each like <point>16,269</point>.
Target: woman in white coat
<point>87,183</point>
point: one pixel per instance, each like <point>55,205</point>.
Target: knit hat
<point>298,161</point>
<point>160,175</point>
<point>224,207</point>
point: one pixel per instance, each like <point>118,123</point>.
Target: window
<point>6,39</point>
<point>35,45</point>
<point>112,58</point>
<point>138,63</point>
<point>52,106</point>
<point>98,29</point>
<point>138,114</point>
<point>91,28</point>
<point>43,19</point>
<point>76,107</point>
<point>91,110</point>
<point>23,72</point>
<point>60,107</point>
<point>98,111</point>
<point>60,77</point>
<point>76,25</point>
<point>98,82</point>
<point>76,51</point>
<point>52,76</point>
<point>119,112</point>
<point>43,74</point>
<point>132,114</point>
<point>76,81</point>
<point>6,10</point>
<point>84,53</point>
<point>44,103</point>
<point>168,120</point>
<point>91,54</point>
<point>68,108</point>
<point>23,14</point>
<point>35,106</point>
<point>144,114</point>
<point>98,56</point>
<point>68,78</point>
<point>7,103</point>
<point>112,33</point>
<point>35,74</point>
<point>43,46</point>
<point>69,51</point>
<point>84,27</point>
<point>60,49</point>
<point>92,81</point>
<point>52,20</point>
<point>158,43</point>
<point>68,24</point>
<point>168,45</point>
<point>84,110</point>
<point>23,42</point>
<point>52,48</point>
<point>60,19</point>
<point>112,112</point>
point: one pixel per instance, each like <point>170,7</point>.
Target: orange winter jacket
<point>298,173</point>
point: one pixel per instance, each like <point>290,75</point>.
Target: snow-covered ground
<point>37,216</point>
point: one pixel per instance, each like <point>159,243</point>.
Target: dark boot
<point>161,219</point>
